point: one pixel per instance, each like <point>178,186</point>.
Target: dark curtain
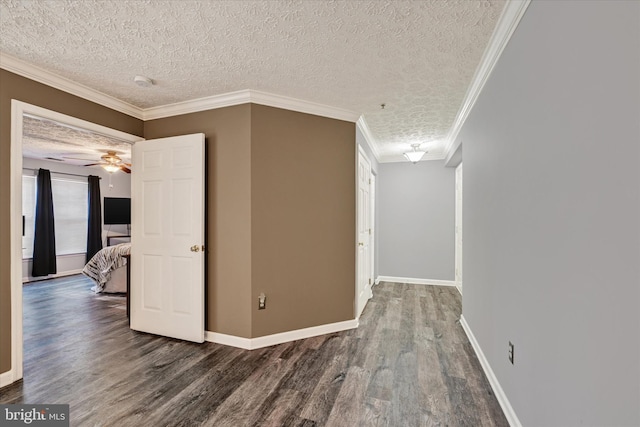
<point>94,230</point>
<point>44,241</point>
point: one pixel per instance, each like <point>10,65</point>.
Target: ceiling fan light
<point>414,156</point>
<point>111,168</point>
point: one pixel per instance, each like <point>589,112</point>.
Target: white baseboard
<point>269,340</point>
<point>51,276</point>
<point>6,378</point>
<point>415,281</point>
<point>495,385</point>
<point>230,340</point>
<point>458,286</point>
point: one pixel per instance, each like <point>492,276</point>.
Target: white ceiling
<point>417,57</point>
<point>50,140</point>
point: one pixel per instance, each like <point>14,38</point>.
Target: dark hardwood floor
<point>408,364</point>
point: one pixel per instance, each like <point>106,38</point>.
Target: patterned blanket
<point>99,267</point>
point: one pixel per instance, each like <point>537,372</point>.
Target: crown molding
<point>454,157</point>
<point>509,20</point>
<point>368,137</point>
<point>197,105</point>
<point>249,96</point>
<point>308,107</point>
<point>24,69</point>
<point>48,78</point>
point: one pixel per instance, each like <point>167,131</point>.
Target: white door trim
<point>372,224</point>
<point>18,110</point>
<point>458,228</point>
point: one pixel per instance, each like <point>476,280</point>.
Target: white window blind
<point>71,215</point>
<point>70,211</point>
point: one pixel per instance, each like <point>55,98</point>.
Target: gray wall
<point>552,215</point>
<point>416,212</point>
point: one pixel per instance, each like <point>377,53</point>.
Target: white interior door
<point>167,237</point>
<point>363,289</point>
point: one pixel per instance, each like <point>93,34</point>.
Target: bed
<point>108,269</point>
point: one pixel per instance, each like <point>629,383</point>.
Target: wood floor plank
<point>461,402</point>
<point>239,407</point>
<point>198,399</point>
<point>393,313</point>
<point>491,415</point>
<point>406,407</point>
<point>305,373</point>
<point>408,364</point>
<point>348,409</point>
<point>433,391</point>
<point>382,373</point>
<point>167,362</point>
<point>280,409</point>
<point>376,413</point>
<point>318,405</point>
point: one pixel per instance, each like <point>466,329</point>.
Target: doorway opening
<point>19,111</point>
<point>364,232</point>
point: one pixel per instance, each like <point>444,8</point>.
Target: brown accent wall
<point>228,205</point>
<point>280,209</point>
<point>303,221</point>
<point>280,216</point>
<point>13,86</point>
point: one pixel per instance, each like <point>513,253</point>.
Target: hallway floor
<point>408,364</point>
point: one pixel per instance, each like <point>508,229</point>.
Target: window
<point>70,210</point>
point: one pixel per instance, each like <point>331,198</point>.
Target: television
<point>117,210</point>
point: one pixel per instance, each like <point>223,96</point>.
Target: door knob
<point>360,244</point>
<point>195,248</point>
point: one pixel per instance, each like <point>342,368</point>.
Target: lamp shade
<point>111,168</point>
<point>414,156</point>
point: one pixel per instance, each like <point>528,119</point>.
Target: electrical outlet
<point>262,302</point>
<point>511,352</point>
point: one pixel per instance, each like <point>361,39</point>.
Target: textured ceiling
<point>417,57</point>
<point>46,139</point>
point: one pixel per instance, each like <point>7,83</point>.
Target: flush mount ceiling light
<point>415,155</point>
<point>143,81</point>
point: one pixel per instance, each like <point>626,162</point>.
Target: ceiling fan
<point>111,162</point>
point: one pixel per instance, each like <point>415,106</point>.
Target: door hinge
<point>369,180</point>
<point>369,232</point>
<point>369,280</point>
